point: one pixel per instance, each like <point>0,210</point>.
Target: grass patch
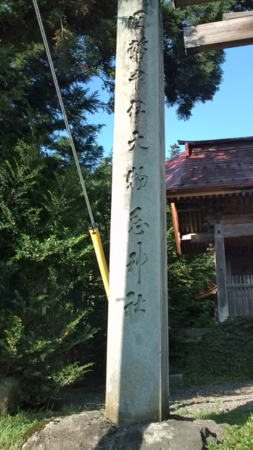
<point>180,411</point>
<point>239,437</point>
<point>234,417</point>
<point>13,427</point>
<point>203,413</point>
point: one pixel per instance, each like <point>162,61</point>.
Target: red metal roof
<point>211,166</point>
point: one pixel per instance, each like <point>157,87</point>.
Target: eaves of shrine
<point>209,181</point>
<point>214,167</point>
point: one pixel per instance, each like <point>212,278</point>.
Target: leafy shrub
<point>35,349</point>
<point>49,282</point>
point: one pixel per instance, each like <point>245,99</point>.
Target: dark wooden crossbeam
<point>181,3</point>
<point>237,15</point>
<point>217,35</point>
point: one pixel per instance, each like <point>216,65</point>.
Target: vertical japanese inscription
<point>136,50</point>
<point>136,179</point>
<point>134,304</point>
<point>137,76</point>
<point>137,19</point>
<point>136,260</point>
<point>137,224</point>
<point>135,142</point>
<point>136,107</point>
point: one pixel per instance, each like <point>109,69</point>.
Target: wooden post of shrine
<point>221,277</point>
<point>174,216</point>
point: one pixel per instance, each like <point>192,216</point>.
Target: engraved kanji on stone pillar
<point>137,351</point>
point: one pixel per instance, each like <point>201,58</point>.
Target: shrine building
<point>210,192</point>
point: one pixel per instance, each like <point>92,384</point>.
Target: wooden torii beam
<point>223,34</point>
<point>218,35</point>
<point>181,3</point>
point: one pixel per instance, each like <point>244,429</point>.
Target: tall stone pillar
<point>137,356</point>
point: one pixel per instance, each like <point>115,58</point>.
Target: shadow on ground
<point>237,416</point>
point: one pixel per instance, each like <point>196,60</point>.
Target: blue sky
<point>229,114</point>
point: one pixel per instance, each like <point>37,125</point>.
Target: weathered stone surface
<point>137,350</point>
<point>216,429</point>
<point>9,387</point>
<point>78,431</point>
<point>92,431</point>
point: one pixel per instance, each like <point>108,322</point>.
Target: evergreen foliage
<point>50,288</point>
<point>174,151</point>
<point>49,282</point>
<point>82,38</point>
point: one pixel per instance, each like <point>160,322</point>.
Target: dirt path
<point>183,401</point>
<point>217,399</point>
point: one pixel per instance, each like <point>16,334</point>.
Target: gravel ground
<point>217,399</point>
<point>183,401</point>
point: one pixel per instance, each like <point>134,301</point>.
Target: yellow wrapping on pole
<point>96,240</point>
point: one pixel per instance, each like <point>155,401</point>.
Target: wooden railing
<point>240,295</point>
